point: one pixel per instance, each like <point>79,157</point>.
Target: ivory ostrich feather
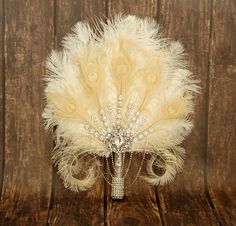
<point>128,58</point>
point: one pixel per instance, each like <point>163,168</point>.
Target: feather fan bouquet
<point>115,91</point>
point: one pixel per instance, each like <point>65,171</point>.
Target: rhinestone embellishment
<point>118,140</point>
<point>117,191</point>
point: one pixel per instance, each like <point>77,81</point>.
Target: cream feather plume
<point>126,61</point>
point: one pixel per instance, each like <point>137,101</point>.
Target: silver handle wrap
<point>117,187</point>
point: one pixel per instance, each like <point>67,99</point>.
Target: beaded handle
<point>117,185</point>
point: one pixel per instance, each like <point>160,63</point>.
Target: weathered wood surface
<point>27,166</point>
<point>2,88</point>
<point>184,202</point>
<point>221,156</point>
<point>69,208</point>
<point>204,194</point>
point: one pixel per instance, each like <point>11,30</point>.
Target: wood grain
<point>134,7</point>
<point>30,196</point>
<point>184,201</point>
<point>27,170</point>
<point>139,206</point>
<point>2,93</point>
<point>83,208</point>
<point>221,156</point>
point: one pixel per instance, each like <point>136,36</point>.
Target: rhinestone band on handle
<point>117,186</point>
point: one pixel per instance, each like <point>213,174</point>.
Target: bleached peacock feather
<point>121,89</point>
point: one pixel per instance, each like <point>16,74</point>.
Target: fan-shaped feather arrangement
<point>120,90</point>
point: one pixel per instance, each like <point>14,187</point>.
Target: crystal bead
<point>140,136</point>
<point>150,130</point>
<point>118,163</point>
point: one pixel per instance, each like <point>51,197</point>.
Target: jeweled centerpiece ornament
<point>113,92</point>
<point>118,140</point>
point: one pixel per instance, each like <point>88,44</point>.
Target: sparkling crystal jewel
<point>118,139</point>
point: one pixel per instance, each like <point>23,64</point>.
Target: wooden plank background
<point>31,192</point>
